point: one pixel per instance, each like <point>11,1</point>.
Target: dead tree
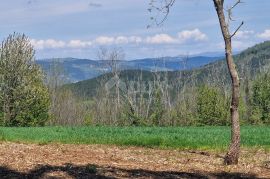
<point>233,153</point>
<point>108,101</point>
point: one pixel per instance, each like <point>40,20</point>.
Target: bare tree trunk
<point>234,149</point>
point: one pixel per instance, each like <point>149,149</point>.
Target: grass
<point>162,137</point>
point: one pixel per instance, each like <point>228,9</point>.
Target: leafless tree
<point>164,7</point>
<point>64,109</point>
<point>108,101</point>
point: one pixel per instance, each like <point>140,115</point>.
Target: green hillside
<point>250,63</point>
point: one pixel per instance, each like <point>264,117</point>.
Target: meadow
<point>210,137</point>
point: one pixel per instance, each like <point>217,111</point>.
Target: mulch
<point>20,160</point>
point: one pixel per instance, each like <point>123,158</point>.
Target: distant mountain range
<point>250,63</point>
<point>83,69</point>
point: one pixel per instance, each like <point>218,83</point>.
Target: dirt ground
<point>101,161</point>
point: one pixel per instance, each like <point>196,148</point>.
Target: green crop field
<point>162,137</point>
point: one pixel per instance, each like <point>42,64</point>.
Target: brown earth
<point>102,161</point>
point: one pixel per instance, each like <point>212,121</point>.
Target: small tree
<point>233,153</point>
<point>211,106</point>
<point>261,100</point>
<point>157,108</point>
<point>24,97</point>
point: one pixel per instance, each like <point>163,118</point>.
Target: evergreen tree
<point>211,106</point>
<point>261,100</point>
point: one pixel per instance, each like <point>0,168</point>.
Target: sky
<point>79,28</point>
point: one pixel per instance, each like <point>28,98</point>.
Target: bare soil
<point>103,161</point>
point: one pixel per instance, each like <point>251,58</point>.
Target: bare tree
<point>64,108</point>
<point>233,153</point>
<point>55,78</point>
<point>108,101</point>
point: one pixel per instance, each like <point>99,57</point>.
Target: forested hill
<point>250,63</point>
<point>82,69</point>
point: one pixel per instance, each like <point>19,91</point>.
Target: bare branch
<point>237,29</point>
<point>165,9</point>
<point>229,10</point>
<point>236,3</point>
<point>230,18</point>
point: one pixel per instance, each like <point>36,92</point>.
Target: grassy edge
<point>203,148</point>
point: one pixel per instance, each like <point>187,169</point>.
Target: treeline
<point>197,97</point>
<point>156,105</point>
<point>128,98</point>
<point>203,105</point>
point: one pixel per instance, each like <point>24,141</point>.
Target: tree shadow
<point>266,164</point>
<point>94,171</point>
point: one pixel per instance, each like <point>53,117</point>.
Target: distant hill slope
<point>82,69</point>
<point>250,63</point>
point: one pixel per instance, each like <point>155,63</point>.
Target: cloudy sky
<point>78,28</point>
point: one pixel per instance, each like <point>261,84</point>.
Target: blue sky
<point>78,28</point>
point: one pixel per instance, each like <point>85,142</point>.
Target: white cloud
<point>121,40</point>
<point>194,35</point>
<point>183,37</point>
<point>50,43</point>
<point>104,40</point>
<point>135,39</point>
<point>265,34</point>
<point>237,45</point>
<point>244,34</point>
<point>160,39</point>
<point>79,44</point>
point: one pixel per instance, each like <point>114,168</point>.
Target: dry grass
<point>98,161</point>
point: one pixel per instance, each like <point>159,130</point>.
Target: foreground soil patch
<point>102,161</point>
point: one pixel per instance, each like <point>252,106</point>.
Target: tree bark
<point>233,153</point>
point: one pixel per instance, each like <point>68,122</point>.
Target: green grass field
<point>163,137</point>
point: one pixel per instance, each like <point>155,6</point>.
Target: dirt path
<point>101,161</point>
